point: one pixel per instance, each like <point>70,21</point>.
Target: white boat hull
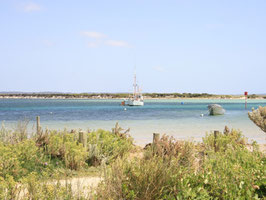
<point>134,102</point>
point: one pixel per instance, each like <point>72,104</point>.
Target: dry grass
<point>15,136</point>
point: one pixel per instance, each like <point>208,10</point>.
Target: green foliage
<point>21,159</point>
<point>234,173</point>
<point>222,167</point>
<point>168,148</point>
<point>230,172</point>
<point>107,146</point>
<point>64,146</point>
<point>222,142</point>
<point>25,163</point>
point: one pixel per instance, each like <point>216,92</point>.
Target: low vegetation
<point>219,168</point>
<point>223,166</point>
<point>32,161</point>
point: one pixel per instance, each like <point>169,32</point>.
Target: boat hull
<point>215,109</point>
<point>134,102</point>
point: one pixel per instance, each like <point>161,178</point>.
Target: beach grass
<point>174,169</point>
<point>35,161</point>
<point>55,165</point>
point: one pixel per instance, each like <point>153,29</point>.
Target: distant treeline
<point>122,95</point>
<point>183,95</point>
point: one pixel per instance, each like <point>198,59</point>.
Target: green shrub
<point>234,173</point>
<point>230,139</point>
<point>26,163</point>
<point>105,145</point>
<point>150,179</point>
<point>168,148</point>
<point>21,159</point>
<point>8,188</point>
<point>64,146</point>
<point>231,172</point>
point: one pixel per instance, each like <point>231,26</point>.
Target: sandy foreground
<point>80,186</point>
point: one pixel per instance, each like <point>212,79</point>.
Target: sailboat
<point>137,98</point>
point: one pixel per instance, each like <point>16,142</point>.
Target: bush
<point>21,159</point>
<point>107,146</point>
<point>168,148</point>
<point>230,139</point>
<point>64,146</point>
<point>25,163</point>
<point>231,172</point>
<point>235,173</point>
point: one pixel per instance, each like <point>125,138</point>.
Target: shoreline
<point>142,135</point>
<point>111,98</point>
<point>122,96</point>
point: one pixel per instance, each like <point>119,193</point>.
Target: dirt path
<point>81,185</point>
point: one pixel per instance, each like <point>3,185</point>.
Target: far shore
<point>122,98</point>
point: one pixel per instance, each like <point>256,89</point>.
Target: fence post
<point>38,127</point>
<point>226,130</point>
<point>156,137</point>
<point>83,138</point>
<point>72,131</point>
<point>215,138</point>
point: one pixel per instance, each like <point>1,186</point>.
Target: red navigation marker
<point>246,95</point>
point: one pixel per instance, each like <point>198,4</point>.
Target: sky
<point>212,46</point>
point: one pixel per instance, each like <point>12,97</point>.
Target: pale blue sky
<point>92,46</point>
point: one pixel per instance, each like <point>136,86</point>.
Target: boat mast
<point>135,85</point>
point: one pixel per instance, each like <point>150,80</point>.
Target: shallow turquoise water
<point>163,116</point>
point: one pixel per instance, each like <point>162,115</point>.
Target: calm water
<point>163,116</point>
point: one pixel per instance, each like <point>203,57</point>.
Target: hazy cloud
<point>99,39</point>
<point>31,7</point>
<point>117,43</point>
<point>93,34</point>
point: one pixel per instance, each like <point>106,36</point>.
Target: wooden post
<point>38,127</point>
<point>156,137</point>
<point>83,138</point>
<point>226,130</point>
<point>215,138</point>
